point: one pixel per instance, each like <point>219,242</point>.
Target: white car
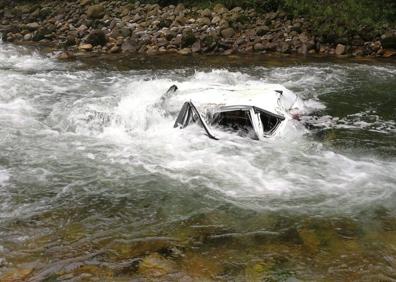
<point>252,112</point>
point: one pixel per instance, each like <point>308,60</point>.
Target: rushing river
<point>96,184</point>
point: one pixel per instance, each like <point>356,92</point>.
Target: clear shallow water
<point>95,182</point>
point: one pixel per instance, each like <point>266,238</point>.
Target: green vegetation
<point>345,18</point>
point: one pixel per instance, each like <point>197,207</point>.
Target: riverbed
<point>95,183</point>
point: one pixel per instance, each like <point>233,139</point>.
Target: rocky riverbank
<point>78,27</point>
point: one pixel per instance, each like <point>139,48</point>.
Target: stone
<point>196,47</point>
<point>65,56</point>
<point>389,53</point>
<point>152,50</point>
<point>237,10</point>
<point>219,9</point>
<point>206,13</point>
<point>303,49</point>
<point>375,46</point>
<point>258,47</point>
<point>180,20</point>
<point>129,45</point>
<point>96,37</point>
<point>228,52</point>
<point>33,26</point>
<point>45,12</point>
<point>28,37</point>
<point>162,42</point>
<point>203,21</point>
<point>216,20</point>
<point>85,2</point>
<point>262,30</point>
<point>95,11</point>
<point>164,23</point>
<point>224,24</point>
<point>179,9</point>
<point>185,51</point>
<point>115,49</point>
<point>296,27</point>
<point>228,32</point>
<point>283,47</point>
<point>39,35</point>
<point>85,47</point>
<point>125,32</point>
<point>340,49</point>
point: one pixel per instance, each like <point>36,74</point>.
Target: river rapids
<point>96,183</point>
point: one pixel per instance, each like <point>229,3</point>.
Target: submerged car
<point>253,112</point>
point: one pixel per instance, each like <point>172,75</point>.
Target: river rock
<point>180,20</point>
<point>152,50</point>
<point>223,24</point>
<point>96,37</point>
<point>228,32</point>
<point>129,45</point>
<point>206,13</point>
<point>196,47</point>
<point>185,51</point>
<point>219,9</point>
<point>65,56</point>
<point>70,40</point>
<point>33,26</point>
<point>45,12</point>
<point>216,19</point>
<point>262,30</point>
<point>115,49</point>
<point>203,21</point>
<point>28,37</point>
<point>85,2</point>
<point>95,12</point>
<point>340,49</point>
<point>39,35</point>
<point>85,47</point>
<point>389,53</point>
<point>258,47</point>
<point>179,8</point>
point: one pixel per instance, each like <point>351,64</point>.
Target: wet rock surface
<point>121,26</point>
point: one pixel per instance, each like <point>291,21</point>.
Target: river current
<point>95,183</point>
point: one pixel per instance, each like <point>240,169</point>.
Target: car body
<point>255,112</point>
